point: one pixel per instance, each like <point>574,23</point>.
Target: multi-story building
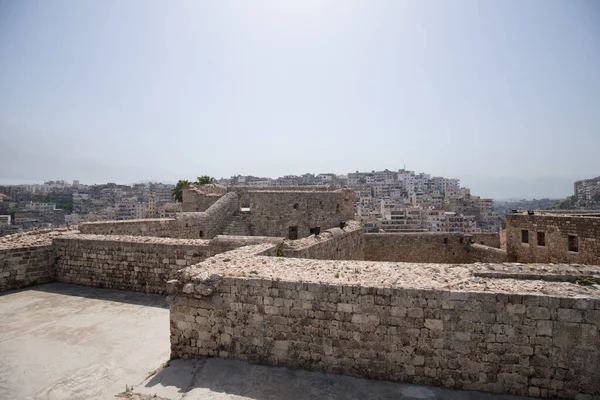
<point>587,189</point>
<point>130,210</point>
<point>40,206</point>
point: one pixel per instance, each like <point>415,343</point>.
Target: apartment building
<point>587,189</point>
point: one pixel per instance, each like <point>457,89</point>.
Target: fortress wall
<point>125,262</point>
<point>223,243</point>
<point>486,254</point>
<point>273,212</point>
<point>418,247</point>
<point>486,239</point>
<point>332,244</point>
<point>159,227</point>
<point>193,225</point>
<point>541,346</point>
<point>556,230</point>
<point>26,266</point>
<point>198,198</point>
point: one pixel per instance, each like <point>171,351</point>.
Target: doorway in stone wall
<point>293,232</point>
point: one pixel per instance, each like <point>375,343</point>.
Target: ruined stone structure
<point>405,322</point>
<point>293,213</point>
<point>553,237</point>
<point>186,225</point>
<point>432,247</point>
<point>434,308</point>
<point>26,266</point>
<point>198,198</point>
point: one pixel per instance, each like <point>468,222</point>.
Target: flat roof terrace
<point>61,341</point>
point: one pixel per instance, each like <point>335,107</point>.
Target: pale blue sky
<point>504,95</point>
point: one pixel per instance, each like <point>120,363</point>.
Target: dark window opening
<point>337,208</point>
<point>201,234</point>
<point>461,240</point>
<point>445,240</point>
<point>296,206</point>
<point>524,236</point>
<point>541,238</point>
<point>573,243</point>
<point>293,232</point>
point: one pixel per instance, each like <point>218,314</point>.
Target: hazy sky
<point>504,95</point>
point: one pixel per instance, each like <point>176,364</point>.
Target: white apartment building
<point>125,210</point>
<point>40,206</point>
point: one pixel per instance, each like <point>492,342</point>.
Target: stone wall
<point>198,198</point>
<point>125,262</point>
<point>236,306</point>
<point>26,266</point>
<point>274,212</point>
<point>556,230</point>
<point>431,247</point>
<point>185,225</point>
<point>486,254</point>
<point>333,244</point>
<point>221,244</point>
<point>486,239</point>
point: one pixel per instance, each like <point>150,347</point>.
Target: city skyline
<point>496,188</point>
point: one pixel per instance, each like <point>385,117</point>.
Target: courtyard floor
<point>60,341</point>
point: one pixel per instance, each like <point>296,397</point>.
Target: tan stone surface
<point>244,263</point>
<point>34,238</point>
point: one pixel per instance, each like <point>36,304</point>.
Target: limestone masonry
<point>287,277</point>
<point>391,321</point>
<point>545,237</point>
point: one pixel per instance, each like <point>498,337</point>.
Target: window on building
<point>573,243</point>
<point>524,236</point>
<point>461,239</point>
<point>541,238</point>
<point>445,240</point>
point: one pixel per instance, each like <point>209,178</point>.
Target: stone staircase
<point>236,226</point>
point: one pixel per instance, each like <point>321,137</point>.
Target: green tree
<point>177,191</point>
<point>204,180</point>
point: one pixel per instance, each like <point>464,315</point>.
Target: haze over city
<point>503,96</point>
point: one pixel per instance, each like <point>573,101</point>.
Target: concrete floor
<point>218,379</point>
<point>60,341</point>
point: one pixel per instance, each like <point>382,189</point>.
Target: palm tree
<point>177,191</point>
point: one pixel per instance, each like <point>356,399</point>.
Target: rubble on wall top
<point>138,239</point>
<point>34,238</point>
<point>245,263</point>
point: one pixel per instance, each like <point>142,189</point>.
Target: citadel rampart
<point>125,262</point>
<point>345,243</point>
<point>439,325</point>
<point>198,198</point>
<point>555,238</point>
<point>292,213</point>
<point>432,247</point>
<point>193,225</point>
<point>26,266</point>
<point>399,306</point>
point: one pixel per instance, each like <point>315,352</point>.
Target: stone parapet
<point>142,264</point>
<point>26,266</point>
<point>380,320</point>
